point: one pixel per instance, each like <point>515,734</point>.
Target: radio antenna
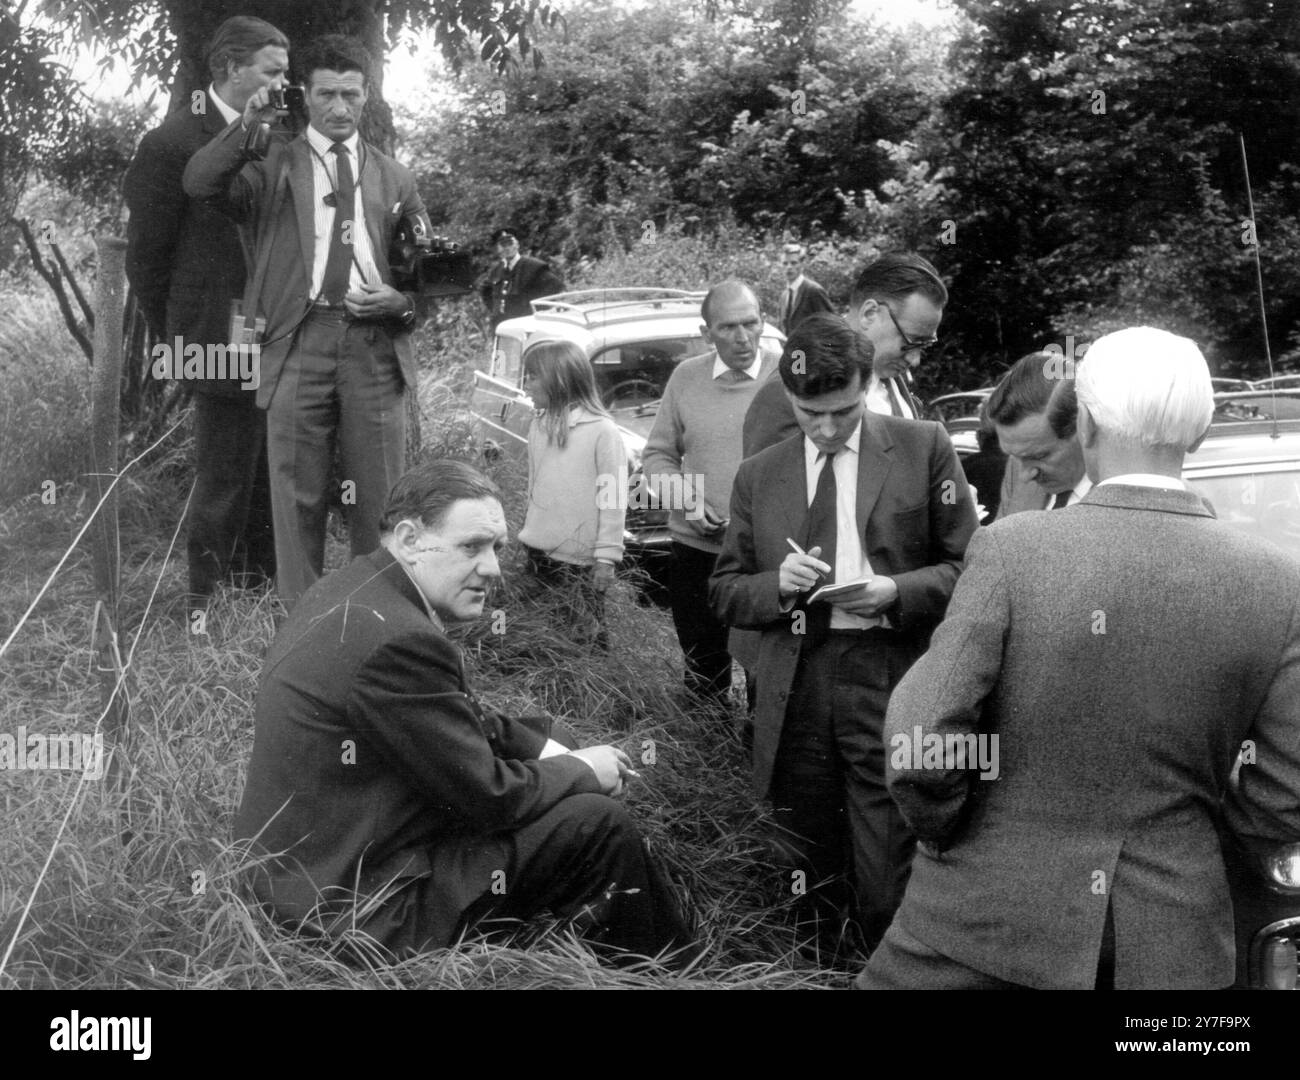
<point>1259,280</point>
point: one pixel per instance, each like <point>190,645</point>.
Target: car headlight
<point>1282,865</point>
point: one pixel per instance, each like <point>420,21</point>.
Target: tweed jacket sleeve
<point>943,694</point>
<point>1264,804</point>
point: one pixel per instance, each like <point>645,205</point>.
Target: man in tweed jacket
<point>1111,657</point>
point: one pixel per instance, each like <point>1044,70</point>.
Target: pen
<point>800,551</point>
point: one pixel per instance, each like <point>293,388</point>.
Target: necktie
<point>339,263</point>
<point>820,532</point>
<point>787,306</point>
<point>1062,497</point>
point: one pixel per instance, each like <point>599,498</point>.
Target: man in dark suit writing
<point>394,803</point>
<point>1110,658</point>
<point>186,264</point>
<point>879,506</point>
<point>336,358</point>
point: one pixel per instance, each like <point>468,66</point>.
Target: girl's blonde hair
<point>567,378</point>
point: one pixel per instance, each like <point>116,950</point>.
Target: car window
<point>637,371</point>
<point>506,353</point>
<point>1266,504</point>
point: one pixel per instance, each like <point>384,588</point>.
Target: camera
<point>287,98</point>
<point>258,137</point>
<point>427,264</point>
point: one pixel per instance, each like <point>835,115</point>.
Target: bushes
<point>45,405</point>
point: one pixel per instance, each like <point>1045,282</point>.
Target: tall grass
<point>145,888</point>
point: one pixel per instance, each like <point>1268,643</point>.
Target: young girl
<point>573,529</point>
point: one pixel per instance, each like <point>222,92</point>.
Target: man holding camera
<point>185,265</point>
<point>335,351</point>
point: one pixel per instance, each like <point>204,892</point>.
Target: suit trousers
<point>583,859</point>
<point>702,637</point>
<point>341,386</point>
<point>828,783</point>
<point>229,520</point>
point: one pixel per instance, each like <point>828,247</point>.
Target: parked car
<point>634,338</point>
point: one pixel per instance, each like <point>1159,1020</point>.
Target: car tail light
<point>1283,866</point>
<point>1278,964</point>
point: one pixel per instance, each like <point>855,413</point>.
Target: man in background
<point>690,460</point>
<point>897,305</point>
<point>186,263</point>
<point>1089,855</point>
<point>802,296</point>
<point>1033,412</point>
<point>514,280</point>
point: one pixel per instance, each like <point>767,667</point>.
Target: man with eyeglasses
<point>896,305</point>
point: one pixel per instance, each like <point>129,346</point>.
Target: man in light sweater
<point>690,461</point>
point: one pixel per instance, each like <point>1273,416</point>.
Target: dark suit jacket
<point>1120,650</point>
<point>184,259</point>
<point>809,299</point>
<point>770,418</point>
<point>360,663</point>
<point>527,280</point>
<point>388,194</point>
<point>916,515</point>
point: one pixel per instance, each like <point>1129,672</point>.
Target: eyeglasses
<point>908,344</point>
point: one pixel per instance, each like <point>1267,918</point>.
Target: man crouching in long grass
<point>388,800</point>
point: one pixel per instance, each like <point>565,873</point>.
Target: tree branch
<point>87,311</point>
<point>56,286</point>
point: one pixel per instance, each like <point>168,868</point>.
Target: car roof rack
<point>1246,405</point>
<point>588,307</point>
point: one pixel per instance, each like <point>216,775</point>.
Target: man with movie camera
<point>322,307</point>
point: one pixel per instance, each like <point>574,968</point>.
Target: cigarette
<point>797,549</point>
<point>632,772</point>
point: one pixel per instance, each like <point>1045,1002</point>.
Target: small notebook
<point>827,591</point>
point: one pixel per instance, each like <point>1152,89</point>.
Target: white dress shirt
<point>325,176</point>
<point>228,114</point>
<point>851,562</point>
<point>1147,480</point>
<point>881,396</point>
<point>720,368</point>
<point>1076,493</point>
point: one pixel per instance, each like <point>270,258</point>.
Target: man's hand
<point>258,107</point>
<point>610,765</point>
<point>800,572</point>
<point>872,599</point>
<point>376,302</point>
<point>708,524</point>
<point>602,575</point>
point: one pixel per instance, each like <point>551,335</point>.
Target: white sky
<point>404,74</point>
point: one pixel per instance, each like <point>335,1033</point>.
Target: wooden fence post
<point>105,422</point>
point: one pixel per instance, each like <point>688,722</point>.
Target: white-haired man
<point>1093,858</point>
